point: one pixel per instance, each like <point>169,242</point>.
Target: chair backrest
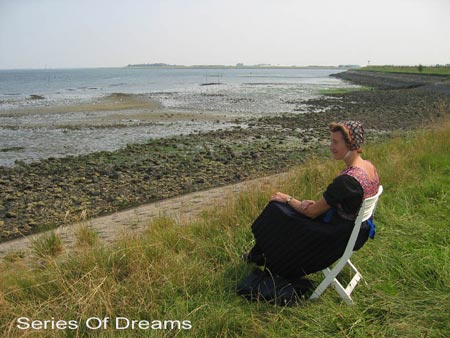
<point>365,212</point>
<point>368,206</point>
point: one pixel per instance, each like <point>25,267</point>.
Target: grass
<point>49,245</point>
<point>433,70</point>
<point>188,273</point>
<point>85,236</point>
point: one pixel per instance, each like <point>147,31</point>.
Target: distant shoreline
<point>143,66</point>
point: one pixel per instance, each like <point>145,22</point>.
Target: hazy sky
<point>110,33</point>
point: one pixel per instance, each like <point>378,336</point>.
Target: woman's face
<point>338,146</point>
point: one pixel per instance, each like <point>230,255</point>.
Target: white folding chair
<point>365,212</point>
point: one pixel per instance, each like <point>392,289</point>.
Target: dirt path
<point>109,228</point>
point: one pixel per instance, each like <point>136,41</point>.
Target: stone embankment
<point>109,228</point>
<point>381,80</point>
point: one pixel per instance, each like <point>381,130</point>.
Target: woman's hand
<point>305,204</point>
<point>279,197</point>
<point>311,209</point>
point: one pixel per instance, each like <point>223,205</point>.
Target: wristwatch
<point>289,199</point>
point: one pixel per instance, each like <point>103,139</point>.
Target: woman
<point>294,237</point>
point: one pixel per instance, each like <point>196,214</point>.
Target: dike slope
<point>382,80</point>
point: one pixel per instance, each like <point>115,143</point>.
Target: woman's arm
<point>312,209</point>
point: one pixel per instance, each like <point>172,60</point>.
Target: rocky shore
<point>52,192</point>
<point>383,80</point>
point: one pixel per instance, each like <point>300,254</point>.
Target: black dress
<point>295,245</point>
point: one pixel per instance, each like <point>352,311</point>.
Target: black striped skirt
<point>295,245</point>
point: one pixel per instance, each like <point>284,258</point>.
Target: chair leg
<point>330,278</point>
<point>355,280</point>
<point>323,285</point>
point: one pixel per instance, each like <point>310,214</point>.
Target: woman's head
<point>346,136</point>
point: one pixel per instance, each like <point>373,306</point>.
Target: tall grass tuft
<point>48,245</point>
<point>85,236</point>
<point>177,271</point>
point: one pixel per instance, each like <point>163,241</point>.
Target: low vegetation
<point>419,69</point>
<point>343,90</point>
<point>188,272</point>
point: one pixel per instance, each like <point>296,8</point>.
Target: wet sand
<point>131,106</point>
<point>103,124</point>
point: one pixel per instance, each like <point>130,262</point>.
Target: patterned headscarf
<point>356,132</point>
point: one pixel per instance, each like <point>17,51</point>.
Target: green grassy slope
<point>179,272</point>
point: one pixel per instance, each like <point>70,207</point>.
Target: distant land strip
<point>237,66</point>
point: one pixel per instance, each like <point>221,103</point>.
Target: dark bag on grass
<point>263,286</point>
